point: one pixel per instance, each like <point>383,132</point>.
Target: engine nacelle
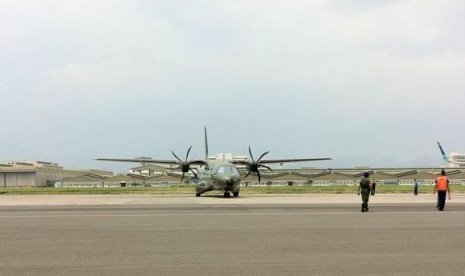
<point>203,187</point>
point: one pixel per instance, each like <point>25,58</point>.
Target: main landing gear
<point>227,194</point>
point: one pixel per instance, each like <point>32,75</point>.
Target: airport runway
<point>225,237</point>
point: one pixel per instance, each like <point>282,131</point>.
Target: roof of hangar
<point>83,178</point>
<point>123,178</point>
<point>333,176</point>
<point>290,175</point>
<point>170,177</point>
<point>18,169</point>
<point>150,167</point>
<point>417,175</point>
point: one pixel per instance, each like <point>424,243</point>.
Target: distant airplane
<point>216,174</point>
<point>453,158</point>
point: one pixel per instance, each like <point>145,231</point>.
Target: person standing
<point>364,188</point>
<point>415,187</point>
<point>373,187</point>
<point>442,186</point>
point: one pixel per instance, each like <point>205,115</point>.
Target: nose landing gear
<point>227,194</point>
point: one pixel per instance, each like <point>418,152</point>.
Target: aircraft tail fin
<point>443,153</point>
<point>206,143</point>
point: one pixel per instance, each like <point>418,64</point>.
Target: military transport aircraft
<point>220,175</point>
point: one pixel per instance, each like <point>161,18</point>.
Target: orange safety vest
<point>442,183</point>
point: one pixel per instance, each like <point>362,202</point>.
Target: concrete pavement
<point>222,238</point>
<point>17,200</point>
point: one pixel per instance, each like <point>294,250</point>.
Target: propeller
<point>185,165</point>
<point>254,166</point>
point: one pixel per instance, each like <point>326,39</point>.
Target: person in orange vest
<point>442,186</point>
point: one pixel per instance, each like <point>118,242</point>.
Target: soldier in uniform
<point>365,187</point>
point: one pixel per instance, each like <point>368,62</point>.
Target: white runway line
<point>231,214</point>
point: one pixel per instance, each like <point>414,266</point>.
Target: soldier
<point>442,186</point>
<point>365,187</point>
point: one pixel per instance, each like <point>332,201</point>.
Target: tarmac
<point>251,235</point>
<point>24,200</point>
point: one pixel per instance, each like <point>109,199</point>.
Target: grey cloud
<point>123,78</point>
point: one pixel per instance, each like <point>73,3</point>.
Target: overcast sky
<point>368,83</point>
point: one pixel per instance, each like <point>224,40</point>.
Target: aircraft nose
<point>230,180</point>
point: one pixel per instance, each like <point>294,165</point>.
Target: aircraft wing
<point>254,166</point>
<point>135,160</point>
<point>281,161</point>
<point>152,161</point>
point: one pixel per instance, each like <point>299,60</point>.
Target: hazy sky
<point>368,83</point>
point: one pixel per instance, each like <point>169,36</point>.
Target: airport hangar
<point>155,176</point>
<point>47,174</point>
<point>40,174</point>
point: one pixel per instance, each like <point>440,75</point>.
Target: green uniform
<point>365,191</point>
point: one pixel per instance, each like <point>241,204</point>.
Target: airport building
<point>47,174</point>
<point>350,177</point>
<point>148,170</point>
<point>129,180</point>
<point>39,174</point>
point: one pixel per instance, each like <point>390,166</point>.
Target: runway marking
<point>227,214</point>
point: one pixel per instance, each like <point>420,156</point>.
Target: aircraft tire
<point>235,194</point>
<point>227,194</point>
<point>197,194</point>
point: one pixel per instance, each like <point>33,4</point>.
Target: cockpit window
<point>226,170</point>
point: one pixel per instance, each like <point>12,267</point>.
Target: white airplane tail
<point>443,153</point>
